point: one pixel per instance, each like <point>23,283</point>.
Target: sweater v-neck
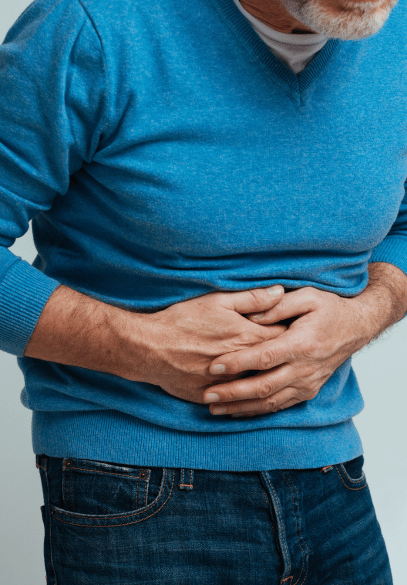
<point>295,85</point>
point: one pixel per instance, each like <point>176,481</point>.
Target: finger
<point>262,356</point>
<point>259,413</point>
<point>290,403</point>
<point>274,403</point>
<point>266,405</point>
<point>255,388</point>
<point>294,303</point>
<point>276,330</point>
<point>253,300</point>
<point>247,414</point>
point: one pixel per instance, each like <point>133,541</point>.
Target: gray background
<point>381,370</point>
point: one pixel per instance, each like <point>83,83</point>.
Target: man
<point>180,163</point>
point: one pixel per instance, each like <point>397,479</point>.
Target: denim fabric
<point>111,523</point>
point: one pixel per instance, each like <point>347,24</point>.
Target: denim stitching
<point>349,478</point>
<point>186,485</point>
<point>138,483</point>
<point>117,525</point>
<point>146,486</point>
<point>70,468</point>
<point>299,516</point>
<point>296,530</point>
<point>272,520</point>
<point>135,514</point>
<point>347,487</point>
<point>305,542</point>
<point>50,527</point>
<point>282,527</point>
<point>63,492</point>
<point>121,516</point>
<point>146,483</point>
<point>101,471</point>
<point>265,497</point>
<point>70,490</point>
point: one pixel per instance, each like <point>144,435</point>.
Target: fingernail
<point>219,410</point>
<point>258,316</point>
<point>218,369</point>
<point>211,398</point>
<point>274,291</point>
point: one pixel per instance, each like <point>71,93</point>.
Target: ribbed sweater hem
<point>109,435</point>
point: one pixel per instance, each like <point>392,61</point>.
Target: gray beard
<point>358,23</point>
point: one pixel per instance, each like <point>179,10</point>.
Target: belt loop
<point>41,461</point>
<point>186,479</point>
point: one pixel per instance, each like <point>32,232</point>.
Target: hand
<point>294,366</point>
<point>182,340</point>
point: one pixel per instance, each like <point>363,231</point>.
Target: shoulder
<point>41,16</point>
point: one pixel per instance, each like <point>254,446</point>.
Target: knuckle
<point>233,393</point>
<point>264,390</point>
<point>307,371</point>
<point>296,400</point>
<point>306,394</point>
<point>312,392</point>
<point>272,404</point>
<point>309,348</point>
<point>265,359</point>
<point>246,339</point>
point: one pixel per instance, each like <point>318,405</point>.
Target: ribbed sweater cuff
<point>393,249</point>
<point>24,291</point>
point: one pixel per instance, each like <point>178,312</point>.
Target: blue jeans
<point>116,524</point>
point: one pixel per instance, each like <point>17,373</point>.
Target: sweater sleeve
<point>393,248</point>
<point>52,115</point>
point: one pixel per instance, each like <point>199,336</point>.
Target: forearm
<point>77,330</point>
<point>384,300</point>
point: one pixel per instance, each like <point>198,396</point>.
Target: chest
<point>208,164</point>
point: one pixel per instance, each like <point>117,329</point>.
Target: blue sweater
<point>163,152</point>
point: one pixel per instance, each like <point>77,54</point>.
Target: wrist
<point>131,342</point>
<point>367,317</point>
<point>383,302</point>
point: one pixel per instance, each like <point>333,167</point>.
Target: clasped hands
<point>294,366</point>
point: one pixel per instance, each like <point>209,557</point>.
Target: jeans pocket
<point>95,493</point>
<point>352,474</point>
<point>98,516</point>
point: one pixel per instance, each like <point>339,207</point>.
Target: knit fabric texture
<point>164,152</point>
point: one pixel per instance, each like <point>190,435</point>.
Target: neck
<point>273,14</point>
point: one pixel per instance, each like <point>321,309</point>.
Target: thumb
<point>254,300</point>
